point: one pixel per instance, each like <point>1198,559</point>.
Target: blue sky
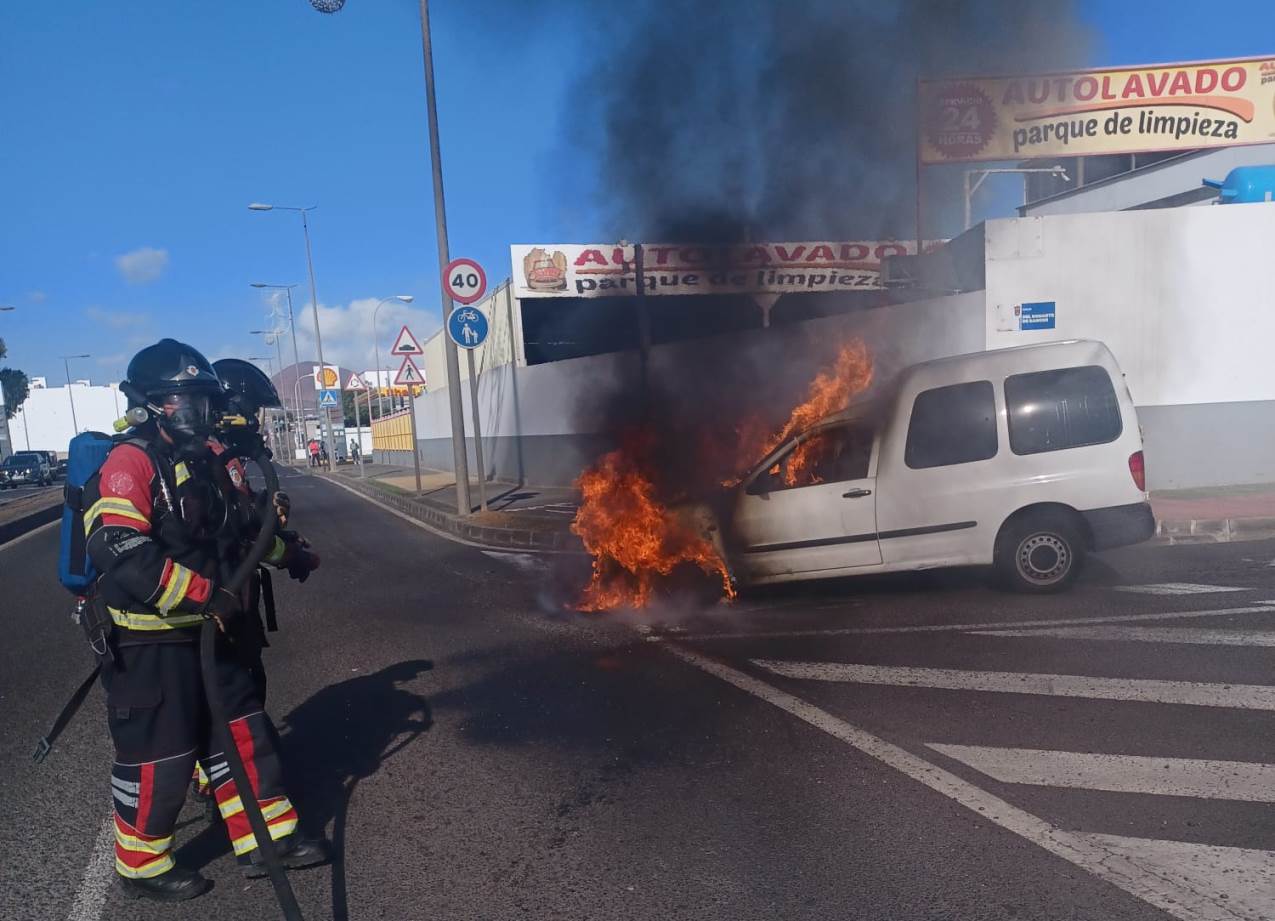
<point>137,133</point>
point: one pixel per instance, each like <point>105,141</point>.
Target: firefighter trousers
<point>158,713</point>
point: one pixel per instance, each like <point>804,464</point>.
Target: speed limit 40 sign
<point>464,281</point>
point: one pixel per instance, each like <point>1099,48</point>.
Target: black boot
<point>295,853</point>
<point>177,885</point>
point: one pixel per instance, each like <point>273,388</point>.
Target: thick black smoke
<point>785,119</point>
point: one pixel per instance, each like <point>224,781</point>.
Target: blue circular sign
<point>468,327</point>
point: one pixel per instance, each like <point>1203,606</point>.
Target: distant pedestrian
<point>314,453</point>
<point>354,452</point>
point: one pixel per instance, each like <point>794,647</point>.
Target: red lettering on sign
<point>1133,87</point>
<point>787,256</point>
<point>1013,94</point>
<point>1206,80</point>
<point>759,254</point>
<point>890,249</point>
<point>1233,79</point>
<point>822,252</point>
<point>1086,88</point>
<point>661,254</point>
<point>853,252</point>
<point>1106,89</point>
<point>1181,84</point>
<point>588,256</point>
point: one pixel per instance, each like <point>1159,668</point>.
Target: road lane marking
<point>1178,588</point>
<point>1240,878</point>
<point>1139,873</point>
<point>1265,607</point>
<point>1194,636</point>
<point>90,898</point>
<point>1230,780</point>
<point>523,562</point>
<point>1139,690</point>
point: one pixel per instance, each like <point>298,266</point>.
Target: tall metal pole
<point>299,421</point>
<point>287,429</point>
<point>416,448</point>
<point>318,341</point>
<point>460,460</point>
<point>369,426</point>
<point>478,436</point>
<point>75,426</point>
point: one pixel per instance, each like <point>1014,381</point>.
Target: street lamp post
<point>970,191</point>
<point>66,364</point>
<point>459,455</point>
<point>296,393</point>
<point>314,301</point>
<point>278,352</point>
<point>292,323</point>
<point>376,345</point>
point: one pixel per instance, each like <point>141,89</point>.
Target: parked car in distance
<point>27,467</point>
<point>59,471</point>
<point>1025,458</point>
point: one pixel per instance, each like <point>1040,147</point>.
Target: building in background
<point>43,422</point>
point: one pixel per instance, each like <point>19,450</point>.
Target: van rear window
<point>1066,408</point>
<point>952,425</point>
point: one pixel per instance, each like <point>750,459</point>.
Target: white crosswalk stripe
<point>1178,588</point>
<point>1185,635</point>
<point>1229,780</point>
<point>1146,690</point>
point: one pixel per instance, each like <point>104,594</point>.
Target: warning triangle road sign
<point>406,344</point>
<point>355,383</point>
<point>409,375</point>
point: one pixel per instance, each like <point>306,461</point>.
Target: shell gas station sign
<point>1124,110</point>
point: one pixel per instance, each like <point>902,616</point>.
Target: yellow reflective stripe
<point>175,589</point>
<point>131,620</point>
<point>181,473</point>
<point>162,865</point>
<point>113,505</point>
<point>130,843</point>
<point>234,806</point>
<point>277,551</point>
<point>278,830</point>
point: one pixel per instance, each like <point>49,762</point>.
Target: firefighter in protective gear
<point>159,530</point>
<point>246,392</point>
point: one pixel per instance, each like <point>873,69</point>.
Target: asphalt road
<point>886,748</point>
<point>21,492</point>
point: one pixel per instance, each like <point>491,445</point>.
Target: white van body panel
<point>945,515</point>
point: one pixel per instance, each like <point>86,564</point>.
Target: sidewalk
<point>1217,514</point>
<point>533,516</point>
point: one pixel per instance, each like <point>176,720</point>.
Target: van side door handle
<point>856,494</point>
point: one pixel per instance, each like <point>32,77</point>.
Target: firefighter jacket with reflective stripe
<point>156,532</point>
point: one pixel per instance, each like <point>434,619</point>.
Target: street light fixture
<point>376,345</point>
<point>292,324</point>
<point>314,301</point>
<point>66,364</point>
<point>1058,171</point>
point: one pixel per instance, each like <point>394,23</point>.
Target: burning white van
<point>1025,458</point>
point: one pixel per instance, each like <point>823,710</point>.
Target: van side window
<point>834,455</point>
<point>1065,408</point>
<point>952,425</point>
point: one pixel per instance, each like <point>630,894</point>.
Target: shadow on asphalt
<point>337,737</point>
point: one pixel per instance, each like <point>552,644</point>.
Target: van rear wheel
<point>1040,554</point>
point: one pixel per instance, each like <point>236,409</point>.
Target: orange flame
<point>632,537</point>
<point>830,392</point>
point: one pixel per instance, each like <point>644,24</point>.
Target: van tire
<point>1040,553</point>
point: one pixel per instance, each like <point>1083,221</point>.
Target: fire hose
<point>221,721</point>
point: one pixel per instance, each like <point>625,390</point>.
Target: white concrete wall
<point>1182,296</point>
<point>43,422</point>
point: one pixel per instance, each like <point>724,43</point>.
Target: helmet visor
<point>188,414</point>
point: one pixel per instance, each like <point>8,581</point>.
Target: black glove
<point>301,560</point>
<point>223,606</point>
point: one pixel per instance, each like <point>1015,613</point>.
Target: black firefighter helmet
<point>176,378</point>
<point>248,390</point>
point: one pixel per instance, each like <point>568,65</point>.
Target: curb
<point>11,530</point>
<point>1213,530</point>
<point>495,537</point>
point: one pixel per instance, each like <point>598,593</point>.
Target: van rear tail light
<point>1138,468</point>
